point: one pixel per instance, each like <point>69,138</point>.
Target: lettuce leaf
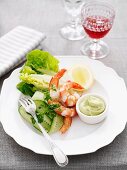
<point>42,62</point>
<point>28,70</point>
<point>39,81</point>
<point>26,89</point>
<point>36,72</point>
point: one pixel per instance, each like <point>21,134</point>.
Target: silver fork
<point>59,156</point>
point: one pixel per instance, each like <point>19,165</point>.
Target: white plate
<point>81,138</point>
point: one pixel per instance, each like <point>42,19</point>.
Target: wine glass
<point>73,30</point>
<point>97,20</point>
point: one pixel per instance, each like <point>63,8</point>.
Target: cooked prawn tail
<point>66,125</point>
<point>62,110</point>
<point>77,86</point>
<point>54,83</point>
<point>55,79</point>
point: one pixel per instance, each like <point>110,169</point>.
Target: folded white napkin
<point>15,44</point>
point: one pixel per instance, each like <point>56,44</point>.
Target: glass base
<point>95,50</point>
<point>73,33</point>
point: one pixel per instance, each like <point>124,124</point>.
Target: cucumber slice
<point>51,125</point>
<point>46,122</point>
<point>38,103</point>
<point>46,126</point>
<point>38,96</point>
<point>25,115</point>
<point>56,124</point>
<point>40,107</point>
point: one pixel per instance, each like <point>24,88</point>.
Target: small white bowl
<point>92,119</point>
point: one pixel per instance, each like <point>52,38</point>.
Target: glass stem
<point>95,45</point>
<point>74,22</point>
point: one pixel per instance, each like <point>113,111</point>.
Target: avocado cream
<point>92,105</point>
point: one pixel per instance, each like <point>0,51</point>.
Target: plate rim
<point>121,128</point>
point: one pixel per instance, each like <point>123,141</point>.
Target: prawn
<point>54,82</point>
<point>62,110</point>
<point>68,113</point>
<point>66,125</point>
<point>68,97</point>
<point>64,94</point>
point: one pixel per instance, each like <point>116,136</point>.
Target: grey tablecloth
<point>49,16</point>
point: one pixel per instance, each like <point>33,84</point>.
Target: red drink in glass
<point>97,19</point>
<point>97,26</point>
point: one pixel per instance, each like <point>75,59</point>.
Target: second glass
<point>97,20</point>
<point>73,30</point>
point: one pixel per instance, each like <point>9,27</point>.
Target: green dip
<point>92,105</point>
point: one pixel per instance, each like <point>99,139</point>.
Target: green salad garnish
<point>35,77</point>
<point>36,72</point>
<point>41,62</point>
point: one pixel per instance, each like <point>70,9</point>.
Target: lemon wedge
<point>82,75</point>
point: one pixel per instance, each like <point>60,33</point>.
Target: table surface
<point>49,16</point>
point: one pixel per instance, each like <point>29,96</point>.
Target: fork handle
<point>59,156</point>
